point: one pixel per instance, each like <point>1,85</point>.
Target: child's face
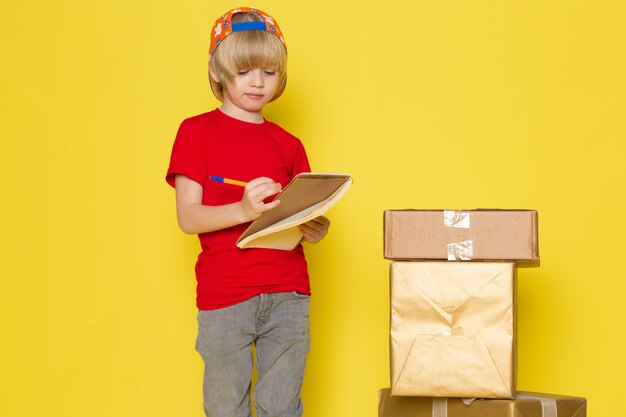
<point>252,89</point>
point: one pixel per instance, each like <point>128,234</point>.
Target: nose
<point>257,78</point>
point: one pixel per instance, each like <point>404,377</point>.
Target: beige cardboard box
<point>509,235</point>
<point>525,404</point>
<point>453,329</point>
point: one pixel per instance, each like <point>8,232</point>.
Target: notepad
<point>307,196</point>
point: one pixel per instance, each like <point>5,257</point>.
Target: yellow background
<point>428,104</point>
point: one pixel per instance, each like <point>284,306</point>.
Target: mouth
<point>254,96</point>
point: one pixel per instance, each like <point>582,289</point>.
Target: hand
<point>255,192</point>
<point>315,230</point>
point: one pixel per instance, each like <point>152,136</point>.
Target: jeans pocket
<point>299,296</point>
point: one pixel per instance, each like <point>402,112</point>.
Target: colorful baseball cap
<point>224,26</point>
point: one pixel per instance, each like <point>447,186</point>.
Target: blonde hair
<point>247,50</point>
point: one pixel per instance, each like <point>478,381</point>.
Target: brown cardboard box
<point>526,404</point>
<point>509,235</point>
<point>453,329</point>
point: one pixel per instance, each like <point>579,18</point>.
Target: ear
<point>214,76</point>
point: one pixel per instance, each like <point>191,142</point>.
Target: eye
<point>242,72</point>
<point>270,72</point>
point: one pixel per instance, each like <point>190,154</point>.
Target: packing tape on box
<point>461,251</point>
<point>458,219</point>
<point>548,405</point>
<point>440,407</point>
<point>458,251</point>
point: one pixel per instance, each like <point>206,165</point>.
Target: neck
<point>247,116</point>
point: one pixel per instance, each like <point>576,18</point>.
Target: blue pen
<point>227,181</point>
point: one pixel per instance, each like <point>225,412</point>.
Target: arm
<point>315,230</point>
<point>194,217</point>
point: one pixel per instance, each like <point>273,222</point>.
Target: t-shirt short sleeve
<point>188,153</point>
<point>300,161</point>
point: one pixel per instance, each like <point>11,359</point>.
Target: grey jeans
<point>278,324</point>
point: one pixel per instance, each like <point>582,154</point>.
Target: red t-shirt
<point>216,144</point>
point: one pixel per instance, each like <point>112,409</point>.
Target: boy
<point>250,296</point>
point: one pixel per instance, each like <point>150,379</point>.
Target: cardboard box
<point>526,404</point>
<point>453,329</point>
<point>509,235</point>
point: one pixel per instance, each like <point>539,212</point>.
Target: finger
<point>260,192</point>
<point>309,237</point>
<point>310,234</point>
<point>319,225</point>
<point>312,226</point>
<point>266,192</point>
<point>260,181</point>
<point>321,220</point>
<point>269,206</point>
